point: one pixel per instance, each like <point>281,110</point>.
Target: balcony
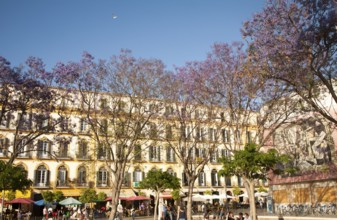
<point>41,185</point>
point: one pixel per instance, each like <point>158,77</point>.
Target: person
<point>222,212</point>
<point>133,213</point>
<point>164,212</point>
<point>182,214</point>
<point>120,211</point>
<point>247,217</point>
<point>207,213</point>
<point>261,203</point>
<point>44,211</point>
<point>50,214</point>
<point>230,216</point>
<point>19,214</point>
<point>240,217</point>
<point>169,212</point>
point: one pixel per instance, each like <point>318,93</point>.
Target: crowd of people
<point>221,212</point>
<point>65,213</point>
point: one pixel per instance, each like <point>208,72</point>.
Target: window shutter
<point>150,153</point>
<point>48,174</point>
<point>9,116</point>
<point>36,172</point>
<point>159,153</point>
<point>97,178</point>
<point>134,176</point>
<point>167,153</point>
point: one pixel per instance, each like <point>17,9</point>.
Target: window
<point>225,136</point>
<point>41,177</point>
<point>61,176</point>
<point>82,176</point>
<point>43,149</point>
<point>23,148</point>
<point>169,110</point>
<point>63,149</point>
<point>202,179</point>
<point>103,152</point>
<point>64,123</point>
<point>225,153</point>
<point>214,156</point>
<point>82,150</point>
<point>42,121</point>
<point>169,134</point>
<point>228,181</point>
<point>240,183</point>
<point>83,125</point>
<point>154,153</point>
<point>126,180</point>
<point>25,121</point>
<point>138,175</point>
<point>200,134</point>
<point>102,177</point>
<point>138,152</point>
<point>215,178</point>
<point>211,135</point>
<point>103,126</point>
<point>3,147</point>
<point>200,153</point>
<point>237,135</point>
<point>249,136</point>
<point>222,116</point>
<point>197,114</point>
<point>103,104</point>
<point>5,123</point>
<point>170,155</point>
<point>184,179</point>
<point>153,131</point>
<point>121,106</point>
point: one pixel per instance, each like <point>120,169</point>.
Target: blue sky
<point>174,31</point>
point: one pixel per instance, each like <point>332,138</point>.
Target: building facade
<point>63,150</point>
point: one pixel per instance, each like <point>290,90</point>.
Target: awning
<point>71,192</point>
<point>165,195</point>
<point>127,193</point>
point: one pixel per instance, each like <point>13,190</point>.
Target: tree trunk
<point>156,206</point>
<point>250,187</point>
<point>114,203</point>
<point>116,183</point>
<point>189,202</point>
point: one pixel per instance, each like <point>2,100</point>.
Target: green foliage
<point>13,178</point>
<point>158,181</point>
<point>252,163</point>
<point>208,192</point>
<point>48,196</point>
<point>262,189</point>
<point>176,194</point>
<point>101,196</point>
<point>58,196</point>
<point>88,195</point>
<point>10,195</point>
<point>236,190</point>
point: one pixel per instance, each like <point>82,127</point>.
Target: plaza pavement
<point>260,217</point>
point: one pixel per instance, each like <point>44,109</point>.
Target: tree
<point>251,164</point>
<point>114,97</point>
<point>58,196</point>
<point>232,96</point>
<point>158,181</point>
<point>13,178</point>
<point>101,196</point>
<point>88,196</point>
<point>48,196</point>
<point>26,104</point>
<point>295,43</point>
